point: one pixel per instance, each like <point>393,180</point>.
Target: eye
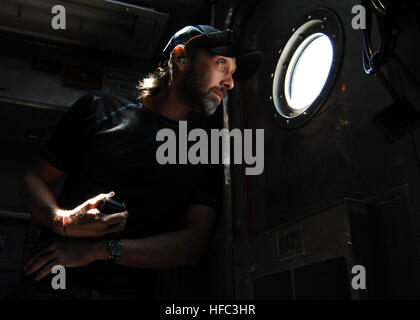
<point>221,61</point>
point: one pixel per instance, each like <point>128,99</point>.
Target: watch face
<point>114,249</point>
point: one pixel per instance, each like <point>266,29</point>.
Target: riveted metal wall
<point>339,153</point>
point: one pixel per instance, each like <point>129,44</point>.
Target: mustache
<point>219,89</point>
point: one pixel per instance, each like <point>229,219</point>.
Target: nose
<point>228,82</point>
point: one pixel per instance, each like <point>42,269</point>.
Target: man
<point>105,143</point>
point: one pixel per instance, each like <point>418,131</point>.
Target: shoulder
<point>96,105</point>
<point>101,100</point>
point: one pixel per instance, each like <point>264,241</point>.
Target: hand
<point>67,253</point>
<point>87,221</point>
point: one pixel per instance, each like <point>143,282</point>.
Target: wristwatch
<point>115,250</point>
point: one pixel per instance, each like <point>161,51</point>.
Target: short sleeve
<point>208,187</point>
<point>63,149</point>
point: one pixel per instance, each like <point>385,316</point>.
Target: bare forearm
<point>41,202</point>
<point>180,248</point>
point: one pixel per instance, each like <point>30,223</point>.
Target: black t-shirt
<point>105,143</point>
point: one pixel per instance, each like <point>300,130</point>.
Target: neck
<point>168,104</point>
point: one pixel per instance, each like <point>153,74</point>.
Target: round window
<point>307,67</point>
<point>308,71</point>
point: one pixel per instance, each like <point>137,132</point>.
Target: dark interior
<point>347,178</point>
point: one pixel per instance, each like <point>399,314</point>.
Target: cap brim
<point>247,64</point>
<point>247,61</point>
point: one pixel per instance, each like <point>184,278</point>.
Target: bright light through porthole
<point>307,68</point>
<point>308,71</point>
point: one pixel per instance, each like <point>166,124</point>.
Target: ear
<point>179,56</point>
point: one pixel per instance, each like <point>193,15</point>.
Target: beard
<point>196,98</point>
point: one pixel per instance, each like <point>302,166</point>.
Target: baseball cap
<point>217,42</point>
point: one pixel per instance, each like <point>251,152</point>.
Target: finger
<point>37,255</point>
<point>96,201</point>
<point>42,245</point>
<point>42,261</point>
<point>111,194</point>
<point>93,211</point>
<point>115,218</point>
<point>46,270</point>
<point>103,196</point>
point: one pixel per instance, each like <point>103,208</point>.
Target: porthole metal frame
<point>323,21</point>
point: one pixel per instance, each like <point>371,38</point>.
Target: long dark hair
<point>162,77</point>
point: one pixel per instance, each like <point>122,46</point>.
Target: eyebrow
<point>226,58</point>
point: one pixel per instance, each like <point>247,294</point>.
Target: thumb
<point>111,194</point>
<point>95,201</point>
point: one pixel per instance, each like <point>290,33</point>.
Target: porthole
<point>307,67</point>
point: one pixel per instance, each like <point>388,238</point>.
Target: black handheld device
<point>110,206</point>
